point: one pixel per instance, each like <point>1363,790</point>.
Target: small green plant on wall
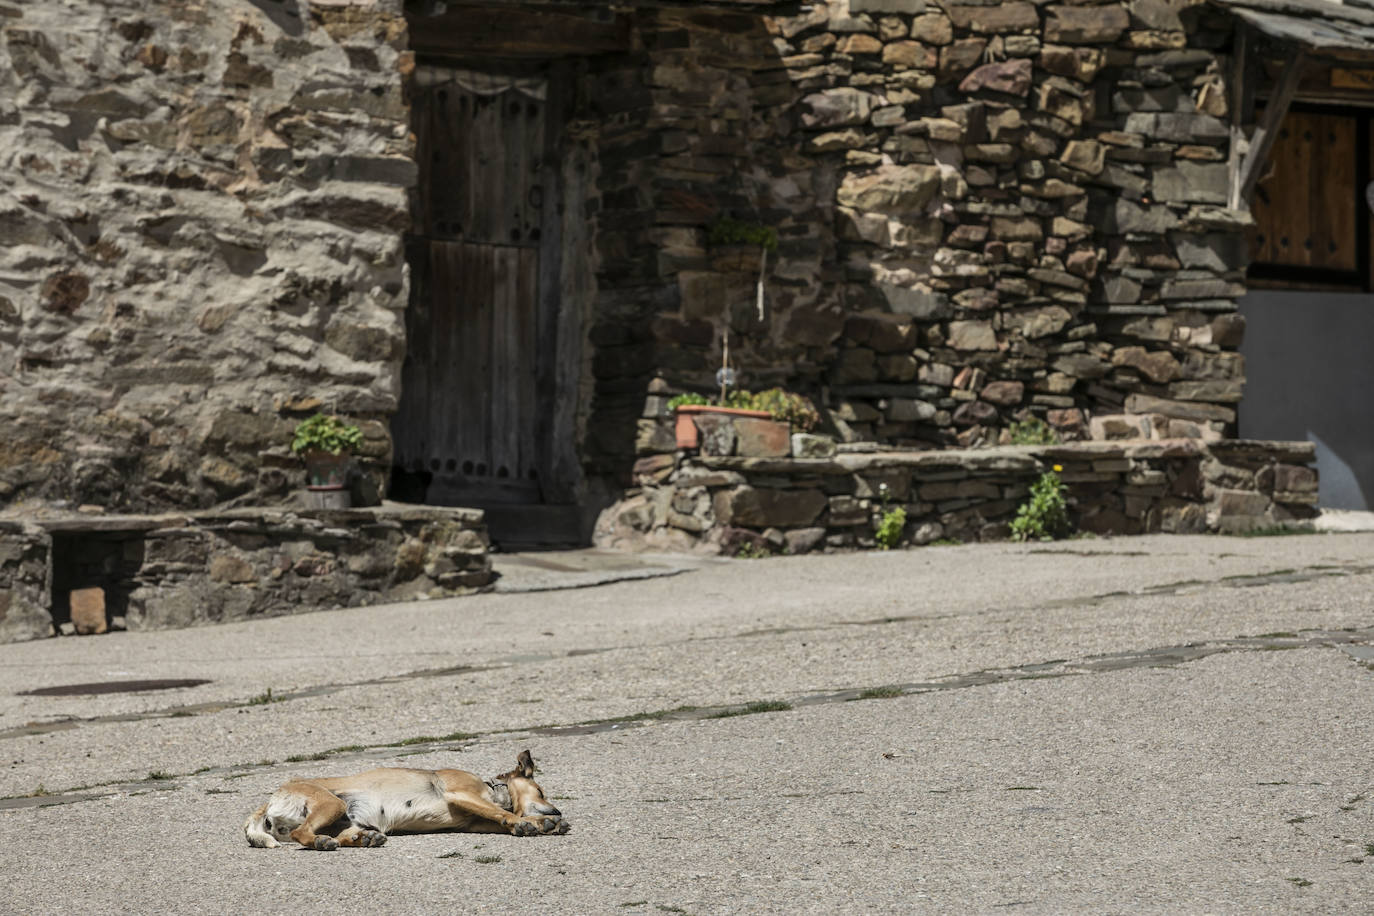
<point>727,231</point>
<point>326,434</point>
<point>781,404</point>
<point>1032,431</point>
<point>1045,516</point>
<point>687,399</point>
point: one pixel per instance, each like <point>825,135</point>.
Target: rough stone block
<point>909,410</point>
<point>1012,77</point>
<point>759,438</point>
<point>231,570</point>
<point>1004,393</point>
<point>996,19</point>
<point>810,445</point>
<point>1192,182</point>
<point>891,189</point>
<point>763,507</point>
<point>838,107</point>
<point>909,7</point>
<point>846,511</point>
<point>717,434</point>
<point>804,540</point>
<point>1085,25</point>
<point>972,335</point>
<point>1156,365</point>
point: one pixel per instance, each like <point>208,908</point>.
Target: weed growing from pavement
<point>452,855</point>
<point>266,697</point>
<point>1300,882</point>
<point>763,706</point>
<point>432,739</point>
<point>881,693</point>
<point>635,903</point>
<point>157,776</point>
<point>487,860</point>
<point>637,716</point>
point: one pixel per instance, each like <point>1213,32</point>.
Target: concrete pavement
<point>1130,725</point>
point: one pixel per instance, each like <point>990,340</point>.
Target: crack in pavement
<point>1276,577</point>
<point>1357,643</point>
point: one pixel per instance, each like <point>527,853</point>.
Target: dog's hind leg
<point>322,808</point>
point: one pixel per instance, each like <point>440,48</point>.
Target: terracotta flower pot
<point>686,430</point>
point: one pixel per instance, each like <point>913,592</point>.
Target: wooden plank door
<point>471,418</point>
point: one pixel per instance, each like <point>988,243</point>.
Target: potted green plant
<point>776,404</point>
<point>326,444</point>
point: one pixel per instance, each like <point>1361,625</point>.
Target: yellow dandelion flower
<point>1058,468</point>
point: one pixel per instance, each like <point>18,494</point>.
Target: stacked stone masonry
<point>740,504</point>
<point>163,571</point>
<point>201,218</point>
<point>985,211</point>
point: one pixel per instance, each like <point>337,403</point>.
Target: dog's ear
<point>524,765</point>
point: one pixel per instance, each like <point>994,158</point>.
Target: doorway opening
<point>1310,312</point>
<point>480,402</point>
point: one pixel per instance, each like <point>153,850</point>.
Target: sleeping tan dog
<point>362,810</point>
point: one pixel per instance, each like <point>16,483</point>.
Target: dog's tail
<point>256,830</point>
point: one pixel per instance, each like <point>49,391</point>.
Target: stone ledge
<point>186,569</point>
<point>1126,486</point>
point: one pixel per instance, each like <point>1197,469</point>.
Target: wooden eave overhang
<point>1320,29</point>
<point>1306,33</point>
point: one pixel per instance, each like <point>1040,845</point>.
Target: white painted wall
<point>1309,365</point>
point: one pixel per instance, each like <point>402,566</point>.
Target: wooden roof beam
<point>483,31</point>
<point>1246,167</point>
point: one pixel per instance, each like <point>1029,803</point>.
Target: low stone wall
<point>165,571</point>
<point>797,505</point>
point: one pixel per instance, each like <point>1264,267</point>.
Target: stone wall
<point>163,571</point>
<point>792,505</point>
<point>984,211</point>
<point>201,208</point>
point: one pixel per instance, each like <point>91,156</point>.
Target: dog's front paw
<point>553,826</point>
<point>371,838</point>
<point>523,828</point>
<point>326,843</point>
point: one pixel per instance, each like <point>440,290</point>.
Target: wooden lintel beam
<point>485,32</point>
<point>1262,140</point>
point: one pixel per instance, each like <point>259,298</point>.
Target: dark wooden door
<point>474,402</point>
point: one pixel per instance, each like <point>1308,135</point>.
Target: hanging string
<point>763,266</point>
